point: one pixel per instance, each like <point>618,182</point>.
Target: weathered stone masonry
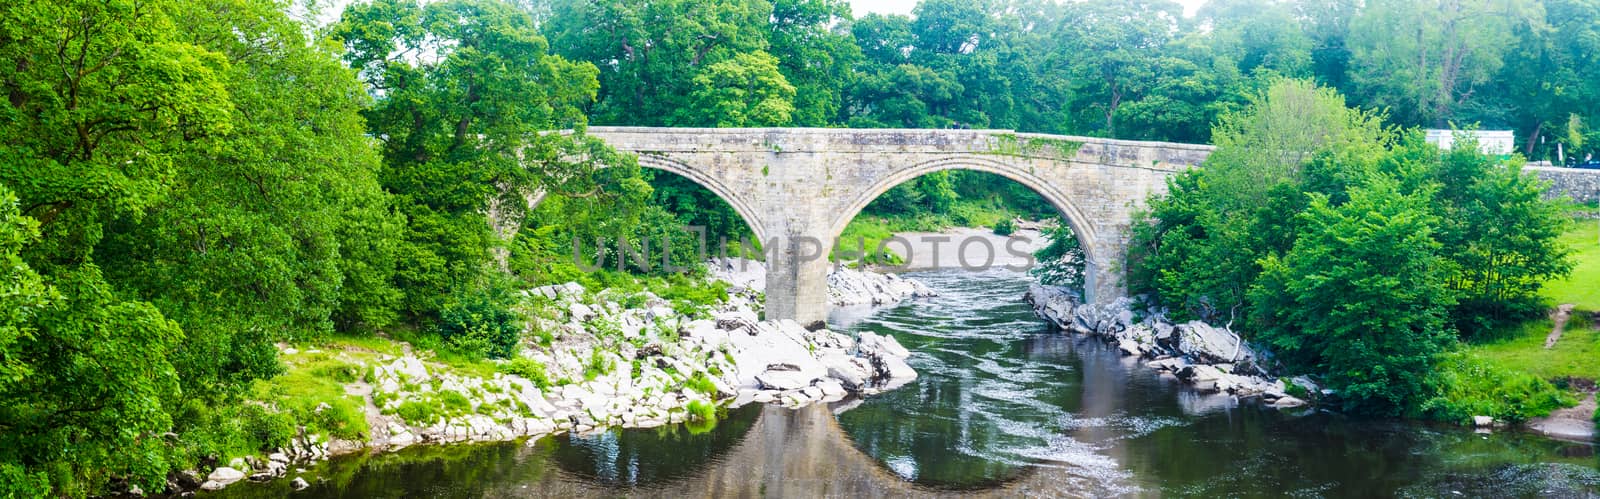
<point>797,185</point>
<point>1582,185</point>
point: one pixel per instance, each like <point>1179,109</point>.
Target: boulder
<point>892,372</point>
<point>1130,347</point>
<point>831,389</point>
<point>1288,402</point>
<point>1211,344</point>
<point>579,312</point>
<point>870,344</point>
<point>225,475</point>
<point>189,479</point>
<point>783,380</point>
<point>410,367</point>
<point>298,484</point>
<point>843,368</point>
<point>1482,421</point>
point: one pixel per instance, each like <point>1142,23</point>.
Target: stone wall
<point>1582,185</point>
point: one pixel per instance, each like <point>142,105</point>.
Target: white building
<point>1492,142</point>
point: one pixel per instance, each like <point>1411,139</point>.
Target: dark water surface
<point>1001,407</point>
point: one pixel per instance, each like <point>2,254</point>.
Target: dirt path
<point>1572,423</point>
<point>1562,313</point>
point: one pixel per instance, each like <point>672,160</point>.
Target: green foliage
<point>1352,251</point>
<point>1503,237</point>
<point>1060,263</point>
<point>418,412</point>
<point>598,364</point>
<point>1357,297</point>
<point>746,90</point>
<point>459,131</point>
<point>700,383</point>
<point>701,410</point>
<point>481,324</point>
<point>529,369</point>
<point>1465,385</point>
<point>1004,227</point>
<point>650,53</point>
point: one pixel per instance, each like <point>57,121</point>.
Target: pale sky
<point>860,8</point>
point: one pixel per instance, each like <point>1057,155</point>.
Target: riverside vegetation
<point>188,190</point>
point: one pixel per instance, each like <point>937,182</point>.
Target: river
<point>1002,407</point>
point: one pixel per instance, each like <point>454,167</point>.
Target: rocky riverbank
<point>600,359</point>
<point>1208,358</point>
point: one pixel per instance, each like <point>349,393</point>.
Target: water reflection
<point>646,457</point>
<point>1001,408</point>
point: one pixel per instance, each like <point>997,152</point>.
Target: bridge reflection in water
<point>785,453</point>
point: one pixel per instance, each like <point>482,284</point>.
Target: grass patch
<point>702,417</point>
<point>599,364</point>
<point>1522,349</point>
<point>312,392</point>
<point>701,383</point>
<point>529,369</point>
<point>1583,238</point>
<point>1468,385</point>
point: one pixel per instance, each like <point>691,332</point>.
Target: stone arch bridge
<point>794,185</point>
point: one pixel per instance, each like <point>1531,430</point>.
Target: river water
<point>1002,407</point>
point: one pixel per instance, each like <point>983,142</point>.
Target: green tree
<point>1115,49</point>
<point>1424,61</point>
<point>1551,79</point>
<point>649,52</point>
<point>814,48</point>
<point>1199,250</point>
<point>101,110</point>
<point>747,90</point>
<point>1358,297</point>
<point>1496,228</point>
<point>465,89</point>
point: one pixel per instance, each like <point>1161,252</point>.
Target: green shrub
<point>1061,263</point>
<point>341,418</point>
<point>418,412</point>
<point>700,383</point>
<point>1005,227</point>
<point>454,402</point>
<point>599,364</point>
<point>1466,385</point>
<point>1294,390</point>
<point>529,369</point>
<point>18,481</point>
<point>481,324</point>
<point>700,410</point>
<point>266,429</point>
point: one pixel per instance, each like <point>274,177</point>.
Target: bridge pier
<point>797,281</point>
<point>1103,271</point>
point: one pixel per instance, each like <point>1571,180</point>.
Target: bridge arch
<point>740,205</point>
<point>1096,262</point>
<point>1050,192</point>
